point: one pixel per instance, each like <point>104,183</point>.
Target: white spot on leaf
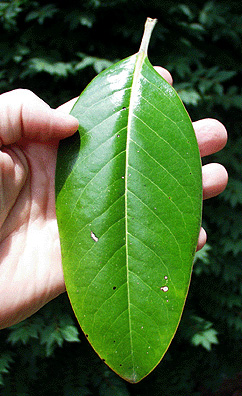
<point>94,237</point>
<point>164,288</point>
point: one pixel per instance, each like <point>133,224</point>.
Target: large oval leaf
<point>129,196</point>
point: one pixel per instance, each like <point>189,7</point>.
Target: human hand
<point>30,259</point>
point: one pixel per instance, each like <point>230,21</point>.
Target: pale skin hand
<point>30,258</point>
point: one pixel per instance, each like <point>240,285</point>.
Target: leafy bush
<point>55,50</point>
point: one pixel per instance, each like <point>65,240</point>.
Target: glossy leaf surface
<point>128,200</point>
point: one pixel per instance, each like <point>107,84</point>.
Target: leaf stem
<point>149,26</point>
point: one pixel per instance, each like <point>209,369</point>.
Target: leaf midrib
<point>134,90</point>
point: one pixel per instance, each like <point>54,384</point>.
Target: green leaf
<point>205,334</point>
<point>42,13</point>
<point>57,332</point>
<point>206,339</point>
<point>9,10</point>
<point>23,332</point>
<point>97,63</point>
<point>128,200</point>
<point>5,361</point>
<point>39,65</point>
<point>189,97</point>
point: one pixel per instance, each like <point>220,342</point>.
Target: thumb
<point>25,115</point>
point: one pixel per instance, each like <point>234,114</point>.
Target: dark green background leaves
<point>200,43</point>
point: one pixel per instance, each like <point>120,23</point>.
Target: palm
<point>30,252</point>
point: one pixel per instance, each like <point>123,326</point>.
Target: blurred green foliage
<point>55,49</point>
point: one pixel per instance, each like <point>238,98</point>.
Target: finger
<point>66,107</point>
<point>215,179</point>
<point>164,73</point>
<point>13,174</point>
<point>24,115</point>
<point>211,136</point>
<point>202,239</point>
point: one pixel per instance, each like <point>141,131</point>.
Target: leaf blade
<point>130,182</point>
